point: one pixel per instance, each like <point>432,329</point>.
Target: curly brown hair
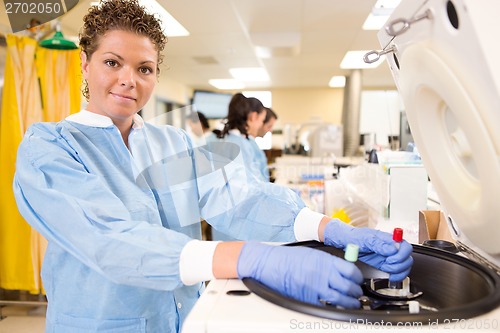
<point>126,15</point>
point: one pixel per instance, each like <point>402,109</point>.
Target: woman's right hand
<point>305,274</point>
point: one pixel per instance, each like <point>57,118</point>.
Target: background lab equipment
<point>444,59</point>
<point>314,138</point>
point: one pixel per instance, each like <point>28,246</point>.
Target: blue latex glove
<point>302,273</point>
<point>376,248</point>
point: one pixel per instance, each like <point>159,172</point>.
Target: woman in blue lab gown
<point>245,117</point>
<point>120,200</point>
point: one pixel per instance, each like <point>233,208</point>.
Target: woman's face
<point>267,127</point>
<point>195,128</point>
<point>121,75</point>
<point>254,122</point>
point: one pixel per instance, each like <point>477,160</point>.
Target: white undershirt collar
<point>89,118</point>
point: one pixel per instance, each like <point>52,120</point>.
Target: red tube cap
<point>397,235</point>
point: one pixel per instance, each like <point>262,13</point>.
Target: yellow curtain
<point>30,73</point>
<point>21,106</point>
<point>60,81</point>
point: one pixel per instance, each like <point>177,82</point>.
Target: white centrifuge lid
<point>452,103</point>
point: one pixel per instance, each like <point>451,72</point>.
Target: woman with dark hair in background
<point>269,122</point>
<point>245,118</point>
<point>266,127</point>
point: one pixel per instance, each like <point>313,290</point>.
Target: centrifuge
<point>443,57</point>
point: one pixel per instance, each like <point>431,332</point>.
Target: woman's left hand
<point>376,248</point>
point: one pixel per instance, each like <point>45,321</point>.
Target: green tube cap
<point>351,252</point>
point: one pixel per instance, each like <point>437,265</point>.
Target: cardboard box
<point>433,225</point>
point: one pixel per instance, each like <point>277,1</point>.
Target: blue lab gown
<point>260,158</point>
<point>252,155</point>
<point>256,166</point>
<point>116,219</point>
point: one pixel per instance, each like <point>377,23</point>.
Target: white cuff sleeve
<point>307,224</point>
<point>195,263</point>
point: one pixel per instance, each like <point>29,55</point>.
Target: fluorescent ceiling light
<point>171,27</point>
<point>250,74</point>
<point>354,60</point>
<point>225,84</point>
<point>337,82</point>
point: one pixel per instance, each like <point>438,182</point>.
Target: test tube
<point>351,255</point>
<point>397,236</point>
